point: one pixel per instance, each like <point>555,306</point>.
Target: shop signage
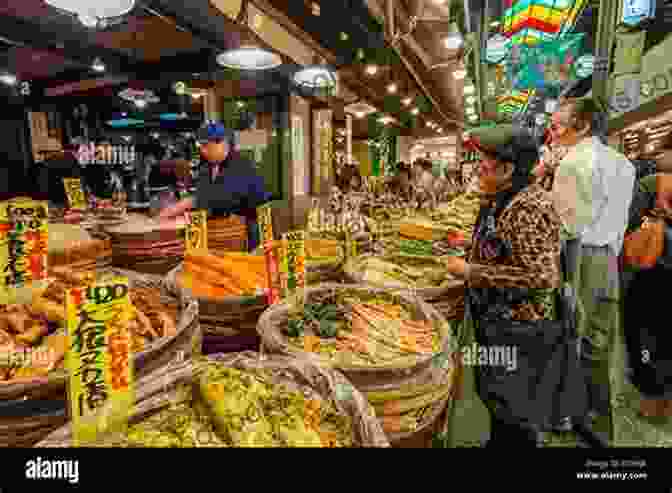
<point>265,222</point>
<point>74,191</point>
<point>24,236</point>
<point>650,88</point>
<point>197,231</point>
<point>92,153</point>
<point>99,358</point>
<point>637,11</point>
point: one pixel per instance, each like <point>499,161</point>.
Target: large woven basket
<point>157,391</point>
<point>17,429</point>
<point>396,380</point>
<point>228,325</point>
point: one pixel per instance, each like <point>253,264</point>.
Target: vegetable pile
<point>460,214</point>
<point>227,407</point>
<point>224,275</point>
<point>361,330</point>
<point>401,271</point>
<point>32,338</point>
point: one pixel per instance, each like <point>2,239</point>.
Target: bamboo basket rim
<point>187,314</point>
<point>270,322</point>
<point>154,392</point>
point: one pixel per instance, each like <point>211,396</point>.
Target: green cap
<point>491,138</point>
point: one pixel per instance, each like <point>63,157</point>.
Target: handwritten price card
<point>75,192</point>
<point>99,359</point>
<point>197,231</point>
<point>24,234</point>
<point>265,221</point>
<point>295,244</point>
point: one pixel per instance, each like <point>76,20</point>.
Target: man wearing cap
<point>227,183</point>
<point>592,192</point>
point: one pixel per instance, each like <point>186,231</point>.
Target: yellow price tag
<point>99,358</point>
<point>197,231</point>
<point>75,193</point>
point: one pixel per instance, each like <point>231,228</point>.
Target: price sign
<point>99,358</point>
<point>24,234</point>
<point>295,244</point>
<point>265,221</point>
<point>197,231</point>
<point>75,193</point>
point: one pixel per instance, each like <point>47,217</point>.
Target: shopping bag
<point>643,248</point>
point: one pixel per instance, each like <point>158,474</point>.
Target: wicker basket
<point>228,325</point>
<point>396,377</point>
<point>155,356</point>
<point>158,390</point>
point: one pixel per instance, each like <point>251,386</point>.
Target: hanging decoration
<point>497,49</point>
<point>318,80</point>
<point>533,21</point>
<point>583,67</point>
<point>544,65</point>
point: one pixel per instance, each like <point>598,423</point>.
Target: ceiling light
<point>392,88</point>
<point>415,111</point>
<point>407,101</point>
<point>359,114</point>
<point>470,89</point>
<point>440,130</point>
<point>454,39</point>
<point>249,58</point>
<point>315,8</point>
<point>473,118</point>
<point>196,95</point>
<point>371,69</point>
<point>430,124</point>
<point>316,77</point>
<point>385,120</point>
<point>8,79</point>
<point>98,65</point>
<point>439,2</point>
<point>470,110</point>
<point>140,103</point>
<point>470,100</point>
<point>98,10</point>
<point>460,74</point>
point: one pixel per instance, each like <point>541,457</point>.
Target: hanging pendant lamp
<point>317,77</point>
<point>248,56</point>
<point>94,13</point>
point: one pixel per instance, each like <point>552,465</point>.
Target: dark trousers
<point>509,435</point>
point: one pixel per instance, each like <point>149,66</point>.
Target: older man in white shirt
<point>593,189</point>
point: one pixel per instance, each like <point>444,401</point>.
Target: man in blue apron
<point>227,182</point>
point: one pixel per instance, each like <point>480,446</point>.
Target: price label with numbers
<point>75,193</point>
<point>99,358</point>
<point>197,231</point>
<point>295,244</point>
<point>24,236</point>
<point>265,221</point>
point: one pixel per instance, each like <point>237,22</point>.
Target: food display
<point>218,277</point>
<point>399,271</point>
<point>460,214</point>
<point>74,246</point>
<point>33,334</point>
<point>355,327</point>
<point>227,234</point>
<point>241,401</point>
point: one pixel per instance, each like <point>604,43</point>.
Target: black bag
<point>548,384</point>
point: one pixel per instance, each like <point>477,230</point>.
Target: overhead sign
<point>635,12</point>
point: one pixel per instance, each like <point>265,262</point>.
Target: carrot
<point>203,289</point>
<point>213,278</point>
<point>226,267</point>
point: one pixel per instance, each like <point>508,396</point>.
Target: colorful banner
<point>75,192</point>
<point>295,244</point>
<point>265,221</point>
<point>197,231</point>
<point>24,236</point>
<point>534,21</point>
<point>99,359</point>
